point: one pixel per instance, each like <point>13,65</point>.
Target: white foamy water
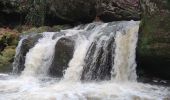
<point>18,50</point>
<point>40,56</point>
<point>51,89</point>
<point>35,84</point>
<point>124,64</point>
<point>74,71</point>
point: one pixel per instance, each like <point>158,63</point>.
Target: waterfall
<point>40,56</point>
<point>18,56</point>
<point>124,68</point>
<point>95,61</point>
<point>103,51</point>
<point>74,71</point>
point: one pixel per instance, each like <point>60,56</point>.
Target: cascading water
<point>124,64</point>
<point>40,56</point>
<point>103,58</point>
<point>18,55</point>
<point>73,73</point>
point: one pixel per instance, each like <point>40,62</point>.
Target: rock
<point>8,42</point>
<point>113,10</point>
<point>64,50</point>
<point>87,10</point>
<point>76,11</point>
<point>8,37</point>
<point>6,58</point>
<point>153,51</point>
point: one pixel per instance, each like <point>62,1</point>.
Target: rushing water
<point>103,67</point>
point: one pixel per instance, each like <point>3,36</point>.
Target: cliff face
<point>110,10</point>
<point>153,52</point>
<point>40,12</point>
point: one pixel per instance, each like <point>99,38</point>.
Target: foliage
<point>8,42</point>
<point>6,58</point>
<point>37,12</point>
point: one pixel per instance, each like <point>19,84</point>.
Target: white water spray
<point>124,64</point>
<point>74,71</point>
<point>39,58</point>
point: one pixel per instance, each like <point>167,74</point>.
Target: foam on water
<point>39,89</point>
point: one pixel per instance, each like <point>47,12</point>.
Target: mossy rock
<point>6,59</point>
<point>153,51</point>
<point>8,38</point>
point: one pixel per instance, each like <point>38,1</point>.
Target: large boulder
<point>153,52</point>
<point>64,50</point>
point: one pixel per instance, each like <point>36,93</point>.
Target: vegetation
<point>6,58</point>
<point>36,12</point>
<point>8,42</point>
<point>153,52</point>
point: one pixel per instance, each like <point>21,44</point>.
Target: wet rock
<point>99,61</point>
<point>64,50</point>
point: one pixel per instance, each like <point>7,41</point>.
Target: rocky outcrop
<point>63,53</point>
<point>153,52</point>
<point>38,12</point>
<point>111,10</point>
<point>73,10</point>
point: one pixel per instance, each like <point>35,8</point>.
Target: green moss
<point>6,58</point>
<point>153,52</point>
<point>154,37</point>
<point>8,43</point>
